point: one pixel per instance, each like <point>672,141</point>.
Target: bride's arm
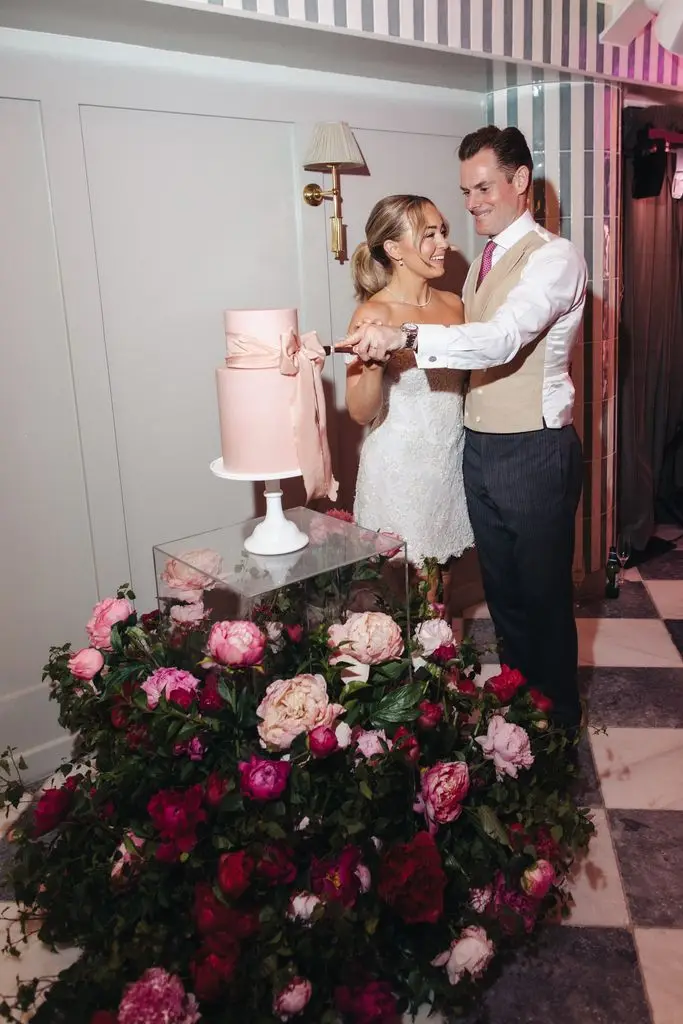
<point>364,380</point>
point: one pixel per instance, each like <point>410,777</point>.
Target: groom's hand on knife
<point>372,341</point>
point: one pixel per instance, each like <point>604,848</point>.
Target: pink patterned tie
<point>486,260</point>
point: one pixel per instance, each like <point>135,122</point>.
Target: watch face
<point>409,328</point>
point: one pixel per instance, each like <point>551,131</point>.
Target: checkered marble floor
<point>620,958</point>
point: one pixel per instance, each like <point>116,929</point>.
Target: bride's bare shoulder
<point>453,302</point>
<point>373,309</point>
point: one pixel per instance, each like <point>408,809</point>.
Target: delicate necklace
<point>404,302</point>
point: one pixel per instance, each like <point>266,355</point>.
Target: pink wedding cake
<point>271,403</point>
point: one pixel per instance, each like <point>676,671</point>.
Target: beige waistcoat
<point>505,399</point>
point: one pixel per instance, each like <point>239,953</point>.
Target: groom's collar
<point>515,231</point>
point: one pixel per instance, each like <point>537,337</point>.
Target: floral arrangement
<point>268,823</point>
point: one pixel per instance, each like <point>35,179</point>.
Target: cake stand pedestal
<point>275,534</point>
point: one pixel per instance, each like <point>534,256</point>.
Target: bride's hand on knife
<point>372,341</point>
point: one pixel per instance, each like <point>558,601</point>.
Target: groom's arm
<point>553,282</point>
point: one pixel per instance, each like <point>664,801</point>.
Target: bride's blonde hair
<point>371,266</point>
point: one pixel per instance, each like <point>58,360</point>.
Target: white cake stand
<point>275,534</point>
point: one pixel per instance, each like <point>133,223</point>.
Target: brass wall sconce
<point>332,146</point>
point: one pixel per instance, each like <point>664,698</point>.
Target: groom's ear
<point>521,180</point>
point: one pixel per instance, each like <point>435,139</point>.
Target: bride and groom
<point>471,437</point>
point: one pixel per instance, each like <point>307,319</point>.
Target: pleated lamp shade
<point>333,143</point>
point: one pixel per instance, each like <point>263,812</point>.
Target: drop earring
<point>400,262</point>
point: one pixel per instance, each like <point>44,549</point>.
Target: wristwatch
<point>410,335</point>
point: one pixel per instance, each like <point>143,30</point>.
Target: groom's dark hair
<point>508,144</point>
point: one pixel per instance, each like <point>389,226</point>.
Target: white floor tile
<point>595,883</point>
<point>640,769</point>
<point>667,596</point>
<point>626,643</point>
<point>35,961</point>
<point>661,958</point>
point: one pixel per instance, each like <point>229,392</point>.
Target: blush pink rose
<point>537,880</point>
<point>86,663</point>
<point>106,614</point>
<point>372,742</point>
<point>507,745</point>
<point>432,634</point>
<point>368,637</point>
<point>470,953</point>
<point>191,573</point>
<point>293,706</point>
<point>293,999</point>
<point>166,680</point>
<point>187,614</point>
<point>239,643</point>
<point>301,907</point>
<point>444,787</point>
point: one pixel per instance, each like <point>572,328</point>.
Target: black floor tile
<point>649,847</point>
<point>633,602</point>
<point>586,789</point>
<point>649,698</point>
<point>668,566</point>
<point>675,627</point>
<point>578,975</point>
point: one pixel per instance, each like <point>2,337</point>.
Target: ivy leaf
<point>491,824</point>
<point>399,706</point>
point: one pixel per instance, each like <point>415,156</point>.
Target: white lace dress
<point>410,471</point>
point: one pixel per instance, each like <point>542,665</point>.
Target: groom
<point>524,300</point>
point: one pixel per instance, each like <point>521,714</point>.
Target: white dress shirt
<point>550,295</point>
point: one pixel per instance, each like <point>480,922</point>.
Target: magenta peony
<point>262,780</point>
<point>507,745</point>
<point>106,614</point>
<point>86,663</point>
<point>166,680</point>
<point>158,998</point>
<point>239,643</point>
<point>322,741</point>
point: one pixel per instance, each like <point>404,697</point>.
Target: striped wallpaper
<point>574,130</point>
<point>552,33</point>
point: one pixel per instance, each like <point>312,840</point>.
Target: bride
<point>410,472</point>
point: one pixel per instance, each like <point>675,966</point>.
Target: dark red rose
<point>211,915</point>
<point>103,1017</point>
<point>295,633</point>
<point>430,714</point>
<point>137,737</point>
<point>234,873</point>
<point>119,717</point>
<point>546,847</point>
<point>518,836</point>
<point>262,779</point>
<point>181,698</point>
<point>51,809</point>
<point>150,620</point>
<point>372,1003</point>
<point>212,973</point>
<point>215,789</point>
<point>540,701</point>
<point>335,878</point>
<point>462,684</point>
<point>277,866</point>
<point>412,880</point>
<point>406,742</point>
<point>505,685</point>
<point>322,741</point>
<point>209,698</point>
<point>445,653</point>
<point>176,813</point>
<point>167,852</point>
<point>514,910</point>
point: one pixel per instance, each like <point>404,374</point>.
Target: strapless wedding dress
<point>410,471</point>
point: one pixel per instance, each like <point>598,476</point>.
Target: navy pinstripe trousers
<point>522,494</point>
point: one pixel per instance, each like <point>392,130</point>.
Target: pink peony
<point>470,953</point>
<point>507,745</point>
<point>432,634</point>
<point>127,858</point>
<point>262,780</point>
<point>293,706</point>
<point>191,573</point>
<point>187,614</point>
<point>537,880</point>
<point>157,998</point>
<point>166,680</point>
<point>238,643</point>
<point>301,906</point>
<point>373,742</point>
<point>106,614</point>
<point>367,637</point>
<point>86,663</point>
<point>444,787</point>
<point>293,999</point>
